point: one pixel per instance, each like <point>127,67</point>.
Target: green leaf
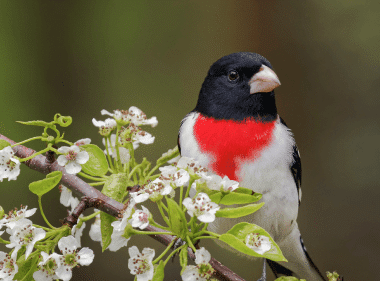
<point>244,190</point>
<point>4,143</point>
<point>26,268</point>
<point>159,272</point>
<point>239,211</point>
<point>288,278</point>
<point>115,186</point>
<point>35,123</point>
<point>106,229</point>
<point>97,165</point>
<point>216,197</point>
<point>183,259</point>
<point>240,198</point>
<point>235,237</point>
<point>44,186</point>
<point>177,219</point>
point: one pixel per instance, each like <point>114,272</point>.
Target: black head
<point>227,91</point>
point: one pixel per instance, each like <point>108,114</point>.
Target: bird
<point>235,131</point>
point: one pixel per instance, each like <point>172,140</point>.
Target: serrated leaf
<point>106,229</point>
<point>239,211</point>
<point>183,259</point>
<point>239,198</point>
<point>4,143</point>
<point>26,268</point>
<point>159,272</point>
<point>35,123</point>
<point>177,219</point>
<point>97,165</point>
<point>44,186</point>
<point>241,230</point>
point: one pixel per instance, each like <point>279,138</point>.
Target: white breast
<point>268,174</point>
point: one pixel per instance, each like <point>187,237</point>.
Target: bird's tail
<point>299,262</point>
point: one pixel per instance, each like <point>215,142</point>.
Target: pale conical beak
<point>264,81</point>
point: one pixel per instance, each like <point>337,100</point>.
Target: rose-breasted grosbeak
<point>235,130</point>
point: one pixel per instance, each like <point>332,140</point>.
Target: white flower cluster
<point>133,115</point>
<point>9,165</point>
<point>132,118</point>
<point>24,234</point>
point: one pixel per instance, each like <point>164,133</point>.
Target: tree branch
<point>104,203</point>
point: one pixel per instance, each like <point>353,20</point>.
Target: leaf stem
<point>90,177</point>
<point>164,252</point>
<point>108,154</point>
<point>31,139</point>
<point>42,213</point>
<point>37,153</point>
<point>160,204</point>
<point>190,243</point>
<point>90,216</point>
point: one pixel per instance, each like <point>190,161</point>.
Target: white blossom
<point>202,271</point>
<point>140,218</point>
<point>259,243</point>
<point>82,142</point>
<point>201,207</point>
<point>9,165</point>
<point>77,232</point>
<point>218,183</point>
<point>66,198</point>
<point>153,191</point>
<point>141,264</point>
<point>144,137</point>
<point>23,233</point>
<point>71,257</point>
<point>192,166</point>
<point>133,115</point>
<point>202,256</point>
<point>178,177</point>
<point>8,267</point>
<point>95,231</point>
<point>48,267</point>
<point>15,215</point>
<point>72,158</point>
<point>108,124</point>
<point>139,118</point>
<point>117,239</point>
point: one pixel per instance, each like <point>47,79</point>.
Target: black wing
<point>296,168</point>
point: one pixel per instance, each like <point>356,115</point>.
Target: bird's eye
<point>233,75</point>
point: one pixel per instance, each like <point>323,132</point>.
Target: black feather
<point>295,168</point>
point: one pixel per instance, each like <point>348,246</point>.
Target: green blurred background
<point>78,57</point>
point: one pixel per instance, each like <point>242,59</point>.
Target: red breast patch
<point>231,141</point>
